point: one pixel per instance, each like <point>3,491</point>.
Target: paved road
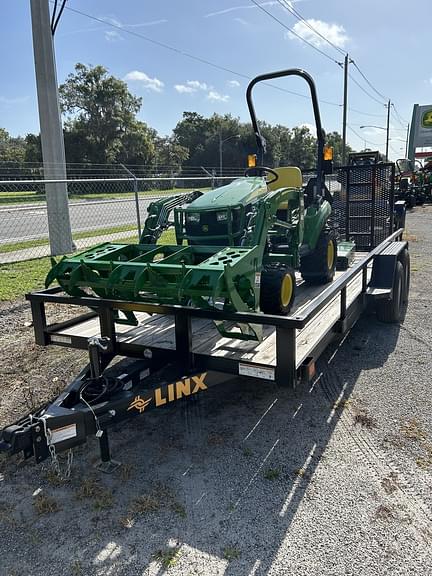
<point>18,223</point>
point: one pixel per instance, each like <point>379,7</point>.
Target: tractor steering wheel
<point>260,171</point>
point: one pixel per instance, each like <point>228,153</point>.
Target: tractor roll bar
<point>319,130</point>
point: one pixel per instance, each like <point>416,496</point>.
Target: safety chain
<point>55,464</point>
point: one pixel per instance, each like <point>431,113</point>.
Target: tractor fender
<point>315,220</point>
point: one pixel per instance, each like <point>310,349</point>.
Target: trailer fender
<point>383,271</point>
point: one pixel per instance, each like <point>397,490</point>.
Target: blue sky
<point>237,35</point>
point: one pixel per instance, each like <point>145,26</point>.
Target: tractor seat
<point>289,177</point>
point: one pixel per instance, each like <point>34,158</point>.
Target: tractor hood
<point>241,191</point>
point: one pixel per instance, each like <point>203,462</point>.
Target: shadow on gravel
<point>220,478</point>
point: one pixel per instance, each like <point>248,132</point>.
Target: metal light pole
<point>53,153</point>
<point>345,109</point>
<point>387,129</point>
<point>221,143</point>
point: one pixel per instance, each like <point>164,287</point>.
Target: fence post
<point>135,187</point>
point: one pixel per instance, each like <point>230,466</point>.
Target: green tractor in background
<point>237,247</point>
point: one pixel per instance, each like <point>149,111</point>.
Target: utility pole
<point>53,153</point>
<point>388,129</point>
<point>345,107</point>
<point>406,141</point>
<point>220,153</point>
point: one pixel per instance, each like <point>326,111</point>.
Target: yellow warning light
<point>328,153</point>
<point>251,160</point>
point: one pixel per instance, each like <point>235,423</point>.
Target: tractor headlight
<point>221,216</point>
<point>193,217</point>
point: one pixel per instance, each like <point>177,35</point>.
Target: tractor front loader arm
<point>159,211</point>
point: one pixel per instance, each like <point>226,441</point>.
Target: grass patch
<point>45,505</point>
<point>21,277</point>
<point>13,246</point>
<point>167,557</point>
<point>271,474</point>
<point>231,553</point>
<point>24,197</point>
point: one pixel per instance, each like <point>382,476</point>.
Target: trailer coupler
<point>100,397</point>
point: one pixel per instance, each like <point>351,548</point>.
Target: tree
<point>169,153</point>
<point>101,118</point>
<point>11,149</point>
<point>334,139</point>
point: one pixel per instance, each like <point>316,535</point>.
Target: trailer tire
<point>278,286</point>
<point>404,259</point>
<point>319,267</point>
<point>390,311</point>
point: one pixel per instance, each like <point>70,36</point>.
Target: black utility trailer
<point>176,352</point>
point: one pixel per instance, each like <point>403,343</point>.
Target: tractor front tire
<point>277,290</point>
<point>319,266</point>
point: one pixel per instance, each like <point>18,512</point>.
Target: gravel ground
<point>332,479</point>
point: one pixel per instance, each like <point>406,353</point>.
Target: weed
<point>127,521</point>
<point>45,504</point>
<point>271,474</point>
<point>365,420</point>
<point>145,504</point>
<point>167,557</point>
<point>54,479</point>
<point>300,472</point>
<point>247,452</point>
<point>412,430</point>
<point>179,509</point>
<point>76,568</point>
<point>390,483</point>
<point>384,513</point>
<point>89,488</point>
<point>126,472</point>
<point>231,553</point>
<point>104,500</point>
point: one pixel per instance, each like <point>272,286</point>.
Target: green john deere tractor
<point>237,249</point>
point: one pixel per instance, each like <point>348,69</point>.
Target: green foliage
<point>101,124</point>
<point>101,127</point>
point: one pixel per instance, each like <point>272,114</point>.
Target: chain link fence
<point>106,203</point>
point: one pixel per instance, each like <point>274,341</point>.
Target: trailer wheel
<point>319,266</point>
<point>278,286</point>
<point>404,259</point>
<point>390,311</point>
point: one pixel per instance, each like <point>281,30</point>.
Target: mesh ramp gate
<point>364,204</point>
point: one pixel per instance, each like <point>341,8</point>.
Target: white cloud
<point>112,35</point>
<point>12,101</point>
<point>115,22</point>
<point>182,89</point>
<point>148,83</point>
<point>215,96</point>
<point>197,85</point>
<point>233,83</point>
<point>190,87</point>
<point>242,7</point>
<point>335,33</point>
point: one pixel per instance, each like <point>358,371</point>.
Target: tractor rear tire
<point>319,266</point>
<point>390,311</point>
<point>278,286</point>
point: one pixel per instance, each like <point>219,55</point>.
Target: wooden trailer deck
<point>158,330</point>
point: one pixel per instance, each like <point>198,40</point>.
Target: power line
<point>299,17</point>
<point>189,55</point>
<point>365,91</point>
<point>367,81</point>
<point>55,20</point>
<point>399,118</point>
<point>362,138</point>
<point>261,7</point>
